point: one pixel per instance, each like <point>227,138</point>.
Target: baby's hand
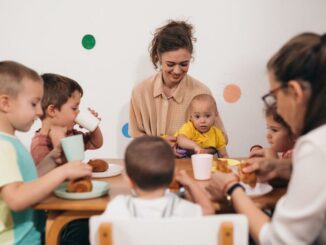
<point>199,150</point>
<point>76,169</point>
<point>94,113</point>
<point>56,156</point>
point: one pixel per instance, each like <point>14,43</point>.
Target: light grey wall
<point>235,40</point>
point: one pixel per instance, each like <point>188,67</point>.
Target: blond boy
<point>21,90</point>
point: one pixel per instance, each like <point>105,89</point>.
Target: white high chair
<point>217,229</point>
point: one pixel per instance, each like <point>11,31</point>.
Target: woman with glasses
<point>159,104</point>
<point>297,75</point>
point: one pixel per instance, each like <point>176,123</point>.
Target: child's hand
<point>199,150</point>
<point>55,155</point>
<point>183,178</point>
<point>76,169</point>
<point>94,113</point>
<point>56,133</point>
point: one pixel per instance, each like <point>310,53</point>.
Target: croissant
<point>80,185</point>
<point>247,178</point>
<point>222,166</point>
<point>98,165</point>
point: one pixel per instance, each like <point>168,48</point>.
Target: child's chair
<point>217,229</point>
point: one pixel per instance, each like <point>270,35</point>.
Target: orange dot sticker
<point>232,93</point>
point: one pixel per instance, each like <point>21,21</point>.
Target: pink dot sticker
<point>232,93</point>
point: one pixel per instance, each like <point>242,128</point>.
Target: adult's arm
<point>218,187</point>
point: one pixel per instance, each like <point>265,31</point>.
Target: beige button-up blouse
<point>152,113</point>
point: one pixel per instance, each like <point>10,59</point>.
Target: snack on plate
<point>174,186</point>
<point>80,185</point>
<point>98,165</point>
<point>247,178</point>
<point>222,166</point>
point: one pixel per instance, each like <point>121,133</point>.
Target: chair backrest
<point>217,229</point>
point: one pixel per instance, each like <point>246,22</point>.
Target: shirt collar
<point>179,92</point>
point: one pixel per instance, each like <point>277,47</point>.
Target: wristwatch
<point>231,190</point>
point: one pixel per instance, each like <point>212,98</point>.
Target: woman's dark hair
<point>303,58</point>
<point>172,36</point>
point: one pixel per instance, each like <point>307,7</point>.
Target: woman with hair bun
<point>159,104</point>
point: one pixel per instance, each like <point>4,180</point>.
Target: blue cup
<point>73,147</point>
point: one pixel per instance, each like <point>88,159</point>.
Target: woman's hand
<point>220,183</point>
<point>269,168</point>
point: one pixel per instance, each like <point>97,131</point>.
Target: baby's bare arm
<point>186,143</point>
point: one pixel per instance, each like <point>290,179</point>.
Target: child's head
<point>61,99</point>
<point>21,91</point>
<point>279,133</point>
<point>203,112</point>
<point>149,163</point>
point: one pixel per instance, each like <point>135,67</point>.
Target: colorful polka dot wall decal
<point>125,129</point>
<point>88,41</point>
<point>232,93</point>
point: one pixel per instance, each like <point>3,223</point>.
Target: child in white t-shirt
<point>149,162</point>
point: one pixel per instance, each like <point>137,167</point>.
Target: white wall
<point>235,40</point>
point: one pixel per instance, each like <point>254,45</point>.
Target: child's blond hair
<point>12,75</point>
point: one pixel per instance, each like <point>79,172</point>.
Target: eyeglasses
<point>270,98</point>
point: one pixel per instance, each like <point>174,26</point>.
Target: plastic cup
<point>202,166</point>
<point>73,147</point>
<point>87,120</point>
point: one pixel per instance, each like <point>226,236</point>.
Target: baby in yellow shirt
<point>199,134</point>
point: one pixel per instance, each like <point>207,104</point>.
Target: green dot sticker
<point>88,41</point>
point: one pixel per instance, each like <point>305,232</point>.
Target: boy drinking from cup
<point>60,106</point>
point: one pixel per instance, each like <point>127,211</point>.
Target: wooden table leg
<point>56,220</point>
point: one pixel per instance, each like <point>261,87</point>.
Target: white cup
<point>202,166</point>
<point>73,147</point>
<point>87,120</point>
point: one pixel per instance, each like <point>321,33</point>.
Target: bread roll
<point>80,185</point>
<point>247,178</point>
<point>98,165</point>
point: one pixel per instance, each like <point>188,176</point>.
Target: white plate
<point>113,170</point>
<point>259,190</point>
<point>100,188</point>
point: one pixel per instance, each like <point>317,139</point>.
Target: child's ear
<point>4,103</point>
<point>50,110</point>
